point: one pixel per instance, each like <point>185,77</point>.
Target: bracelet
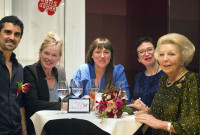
<point>169,125</point>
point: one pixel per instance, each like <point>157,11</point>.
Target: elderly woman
<point>99,66</point>
<point>43,77</point>
<point>175,107</point>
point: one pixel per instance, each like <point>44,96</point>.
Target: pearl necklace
<point>177,78</point>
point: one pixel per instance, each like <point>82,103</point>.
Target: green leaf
<point>127,109</point>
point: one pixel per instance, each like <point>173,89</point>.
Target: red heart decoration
<point>48,5</point>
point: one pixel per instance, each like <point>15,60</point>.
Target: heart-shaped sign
<point>48,5</point>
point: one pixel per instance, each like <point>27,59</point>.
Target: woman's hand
<point>149,120</point>
<point>140,106</point>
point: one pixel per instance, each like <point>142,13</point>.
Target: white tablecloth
<point>126,125</point>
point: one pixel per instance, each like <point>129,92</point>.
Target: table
<point>126,125</point>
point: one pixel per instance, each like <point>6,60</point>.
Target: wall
<point>5,7</point>
<point>123,22</point>
<point>184,18</point>
<point>75,35</point>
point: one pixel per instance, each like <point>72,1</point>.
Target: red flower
<point>25,88</point>
<point>119,103</point>
<point>18,91</point>
<point>110,114</point>
<point>101,108</point>
<point>115,110</point>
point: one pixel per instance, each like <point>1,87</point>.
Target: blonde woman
<point>43,77</point>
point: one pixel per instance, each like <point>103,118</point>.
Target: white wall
<point>5,7</point>
<point>2,10</point>
<point>75,35</point>
<point>68,22</point>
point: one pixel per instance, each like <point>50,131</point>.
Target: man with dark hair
<point>12,118</point>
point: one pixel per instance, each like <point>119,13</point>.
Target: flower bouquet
<point>113,104</point>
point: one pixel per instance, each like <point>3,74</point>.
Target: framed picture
<point>76,105</point>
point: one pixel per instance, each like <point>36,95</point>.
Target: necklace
<point>177,78</point>
<point>49,78</point>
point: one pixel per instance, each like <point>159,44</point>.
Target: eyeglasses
<point>150,50</point>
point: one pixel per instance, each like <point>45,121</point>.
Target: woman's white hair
<point>185,46</point>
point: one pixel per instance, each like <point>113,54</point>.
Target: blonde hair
<point>50,39</point>
<point>185,46</point>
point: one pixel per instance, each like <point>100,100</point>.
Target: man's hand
<point>23,121</point>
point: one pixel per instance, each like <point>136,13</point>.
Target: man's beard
<point>7,47</point>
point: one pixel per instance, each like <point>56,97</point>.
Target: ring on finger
<point>143,118</point>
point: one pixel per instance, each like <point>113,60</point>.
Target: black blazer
<point>37,97</point>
